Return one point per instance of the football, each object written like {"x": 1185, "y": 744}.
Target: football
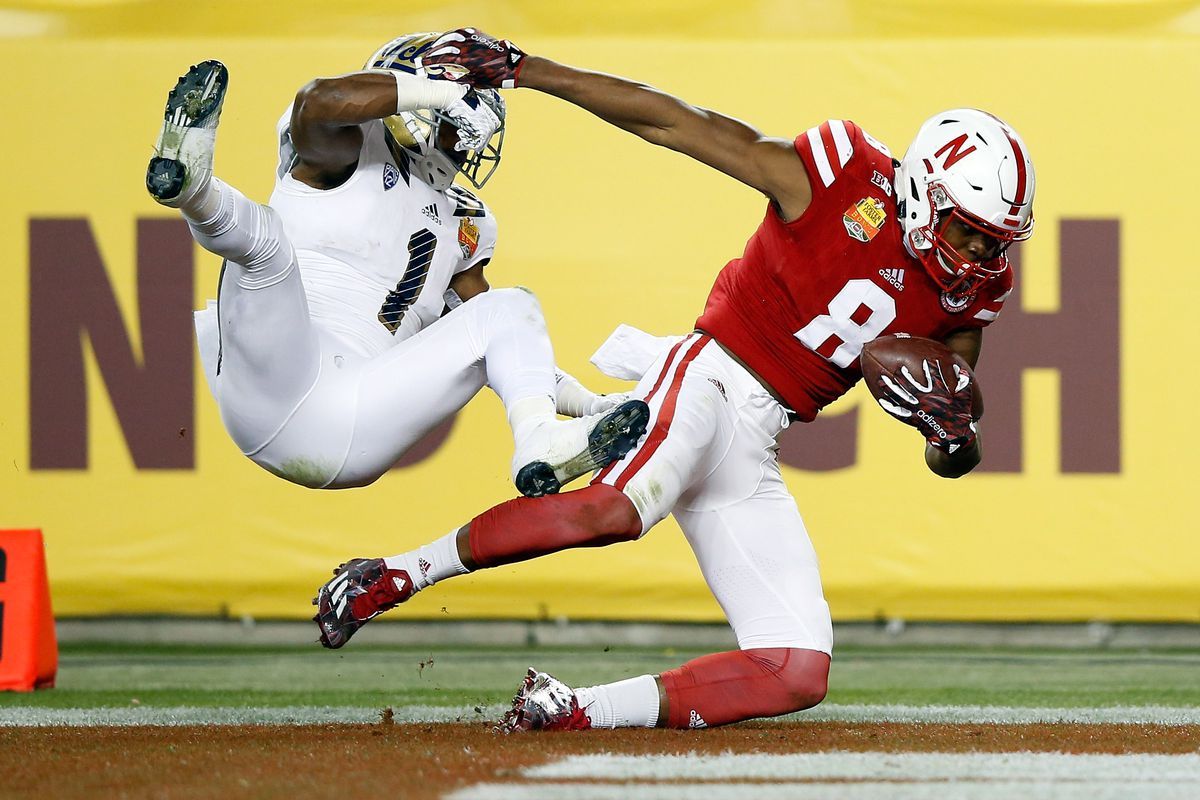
{"x": 890, "y": 354}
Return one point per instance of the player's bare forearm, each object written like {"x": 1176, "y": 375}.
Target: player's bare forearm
{"x": 726, "y": 144}
{"x": 327, "y": 113}
{"x": 953, "y": 465}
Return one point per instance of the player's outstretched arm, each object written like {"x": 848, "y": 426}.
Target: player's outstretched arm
{"x": 735, "y": 148}
{"x": 739, "y": 150}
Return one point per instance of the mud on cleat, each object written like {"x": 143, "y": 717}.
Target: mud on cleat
{"x": 543, "y": 703}
{"x": 361, "y": 589}
{"x": 183, "y": 156}
{"x": 609, "y": 440}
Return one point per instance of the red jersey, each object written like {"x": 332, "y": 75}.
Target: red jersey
{"x": 806, "y": 295}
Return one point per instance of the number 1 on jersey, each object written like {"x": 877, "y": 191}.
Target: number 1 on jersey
{"x": 859, "y": 299}
{"x": 420, "y": 255}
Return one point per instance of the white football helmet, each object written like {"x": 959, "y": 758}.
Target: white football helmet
{"x": 969, "y": 166}
{"x": 417, "y": 131}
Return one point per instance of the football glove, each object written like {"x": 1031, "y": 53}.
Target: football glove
{"x": 476, "y": 122}
{"x": 941, "y": 411}
{"x": 471, "y": 56}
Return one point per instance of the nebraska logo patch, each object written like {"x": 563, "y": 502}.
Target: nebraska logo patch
{"x": 468, "y": 237}
{"x": 864, "y": 219}
{"x": 956, "y": 303}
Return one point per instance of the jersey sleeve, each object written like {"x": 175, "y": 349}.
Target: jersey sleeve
{"x": 477, "y": 228}
{"x": 826, "y": 151}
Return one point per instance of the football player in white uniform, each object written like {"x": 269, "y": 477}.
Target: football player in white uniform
{"x": 353, "y": 315}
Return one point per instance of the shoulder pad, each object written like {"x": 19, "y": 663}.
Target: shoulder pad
{"x": 465, "y": 203}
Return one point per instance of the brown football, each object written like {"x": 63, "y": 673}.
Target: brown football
{"x": 890, "y": 353}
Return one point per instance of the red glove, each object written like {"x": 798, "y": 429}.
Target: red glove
{"x": 471, "y": 56}
{"x": 940, "y": 410}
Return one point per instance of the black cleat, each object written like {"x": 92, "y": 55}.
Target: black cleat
{"x": 609, "y": 440}
{"x": 184, "y": 151}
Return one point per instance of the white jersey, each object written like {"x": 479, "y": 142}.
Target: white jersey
{"x": 377, "y": 254}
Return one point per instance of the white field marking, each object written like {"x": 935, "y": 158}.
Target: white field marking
{"x": 197, "y": 715}
{"x": 308, "y": 715}
{"x": 987, "y": 715}
{"x": 855, "y": 776}
{"x": 1026, "y": 790}
{"x": 838, "y": 765}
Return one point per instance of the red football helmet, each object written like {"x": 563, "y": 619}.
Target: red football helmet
{"x": 965, "y": 166}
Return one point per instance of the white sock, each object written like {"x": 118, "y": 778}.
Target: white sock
{"x": 430, "y": 563}
{"x": 529, "y": 412}
{"x": 631, "y": 703}
{"x": 572, "y": 398}
{"x": 202, "y": 200}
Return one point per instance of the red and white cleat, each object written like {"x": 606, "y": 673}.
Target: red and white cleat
{"x": 361, "y": 589}
{"x": 543, "y": 703}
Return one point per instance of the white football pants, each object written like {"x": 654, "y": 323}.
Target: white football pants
{"x": 709, "y": 457}
{"x": 311, "y": 410}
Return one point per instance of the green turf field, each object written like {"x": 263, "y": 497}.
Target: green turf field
{"x": 365, "y": 676}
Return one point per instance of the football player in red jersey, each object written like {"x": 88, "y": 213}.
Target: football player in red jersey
{"x": 853, "y": 245}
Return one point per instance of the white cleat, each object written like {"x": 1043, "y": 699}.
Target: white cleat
{"x": 183, "y": 155}
{"x": 558, "y": 452}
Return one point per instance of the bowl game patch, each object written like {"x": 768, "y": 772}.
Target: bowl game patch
{"x": 864, "y": 219}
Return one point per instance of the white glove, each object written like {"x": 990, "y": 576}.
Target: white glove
{"x": 476, "y": 122}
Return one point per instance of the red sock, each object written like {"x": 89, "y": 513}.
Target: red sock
{"x": 742, "y": 684}
{"x": 529, "y": 527}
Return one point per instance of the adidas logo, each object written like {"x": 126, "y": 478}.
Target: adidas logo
{"x": 431, "y": 212}
{"x": 893, "y": 276}
{"x": 425, "y": 567}
{"x": 399, "y": 582}
{"x": 696, "y": 721}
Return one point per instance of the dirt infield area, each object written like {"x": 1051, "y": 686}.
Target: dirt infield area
{"x": 432, "y": 760}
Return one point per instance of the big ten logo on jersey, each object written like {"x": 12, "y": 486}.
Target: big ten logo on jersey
{"x": 1080, "y": 340}
{"x": 881, "y": 180}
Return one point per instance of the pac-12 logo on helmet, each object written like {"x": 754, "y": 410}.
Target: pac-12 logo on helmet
{"x": 417, "y": 131}
{"x": 968, "y": 166}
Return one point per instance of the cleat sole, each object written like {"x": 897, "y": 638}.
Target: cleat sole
{"x": 611, "y": 440}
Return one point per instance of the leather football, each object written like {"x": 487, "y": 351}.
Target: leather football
{"x": 890, "y": 354}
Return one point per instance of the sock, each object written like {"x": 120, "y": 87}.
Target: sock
{"x": 526, "y": 414}
{"x": 631, "y": 703}
{"x": 572, "y": 398}
{"x": 430, "y": 563}
{"x": 204, "y": 200}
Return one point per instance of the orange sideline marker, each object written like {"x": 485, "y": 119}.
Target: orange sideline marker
{"x": 28, "y": 647}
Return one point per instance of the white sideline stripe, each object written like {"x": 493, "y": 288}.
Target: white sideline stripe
{"x": 1028, "y": 790}
{"x": 992, "y": 715}
{"x": 835, "y": 765}
{"x": 200, "y": 715}
{"x": 855, "y": 776}
{"x": 308, "y": 715}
